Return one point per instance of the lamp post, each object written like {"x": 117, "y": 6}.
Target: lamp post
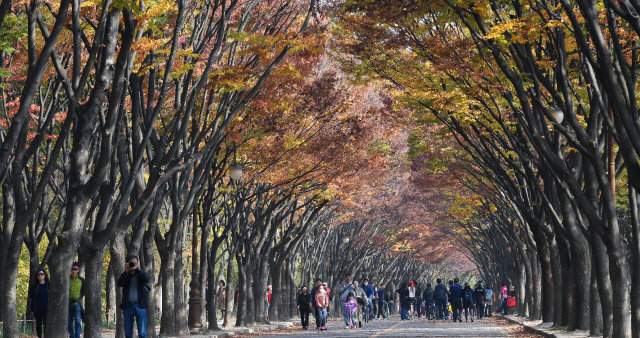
{"x": 557, "y": 113}
{"x": 485, "y": 225}
{"x": 345, "y": 239}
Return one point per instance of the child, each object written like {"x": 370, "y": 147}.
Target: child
{"x": 322, "y": 302}
{"x": 352, "y": 307}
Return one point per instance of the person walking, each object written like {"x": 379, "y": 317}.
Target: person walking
{"x": 269, "y": 292}
{"x": 418, "y": 298}
{"x": 368, "y": 290}
{"x": 361, "y": 298}
{"x": 455, "y": 297}
{"x": 488, "y": 300}
{"x": 222, "y": 296}
{"x": 403, "y": 294}
{"x": 314, "y": 291}
{"x": 76, "y": 294}
{"x": 479, "y": 296}
{"x": 440, "y": 294}
{"x": 321, "y": 302}
{"x": 468, "y": 301}
{"x": 427, "y": 297}
{"x": 374, "y": 302}
{"x": 304, "y": 306}
{"x": 134, "y": 297}
{"x": 343, "y": 291}
{"x": 324, "y": 284}
{"x": 351, "y": 306}
{"x": 503, "y": 299}
{"x": 39, "y": 294}
{"x": 380, "y": 298}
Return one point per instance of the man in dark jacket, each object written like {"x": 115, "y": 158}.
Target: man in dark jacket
{"x": 418, "y": 298}
{"x": 479, "y": 297}
{"x": 134, "y": 297}
{"x": 440, "y": 294}
{"x": 380, "y": 298}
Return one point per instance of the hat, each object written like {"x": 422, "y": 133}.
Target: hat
{"x": 410, "y": 282}
{"x": 324, "y": 284}
{"x": 512, "y": 288}
{"x": 466, "y": 284}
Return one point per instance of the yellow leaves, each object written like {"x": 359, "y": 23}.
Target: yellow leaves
{"x": 497, "y": 31}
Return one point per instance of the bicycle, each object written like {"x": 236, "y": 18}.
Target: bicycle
{"x": 412, "y": 311}
{"x": 431, "y": 311}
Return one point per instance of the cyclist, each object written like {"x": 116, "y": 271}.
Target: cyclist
{"x": 413, "y": 293}
{"x": 368, "y": 290}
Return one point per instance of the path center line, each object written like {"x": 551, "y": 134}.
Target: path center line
{"x": 387, "y": 330}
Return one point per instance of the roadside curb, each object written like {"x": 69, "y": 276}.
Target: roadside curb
{"x": 545, "y": 329}
{"x": 238, "y": 331}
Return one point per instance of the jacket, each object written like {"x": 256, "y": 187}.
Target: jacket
{"x": 322, "y": 298}
{"x": 368, "y": 290}
{"x": 440, "y": 291}
{"x": 78, "y": 300}
{"x": 34, "y": 292}
{"x": 404, "y": 296}
{"x": 343, "y": 291}
{"x": 479, "y": 295}
{"x": 303, "y": 300}
{"x": 380, "y": 295}
{"x": 427, "y": 295}
{"x": 465, "y": 291}
{"x": 125, "y": 283}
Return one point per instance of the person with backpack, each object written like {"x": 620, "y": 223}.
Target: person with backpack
{"x": 503, "y": 299}
{"x": 343, "y": 291}
{"x": 440, "y": 294}
{"x": 418, "y": 298}
{"x": 316, "y": 309}
{"x": 134, "y": 297}
{"x": 455, "y": 297}
{"x": 467, "y": 302}
{"x": 361, "y": 298}
{"x": 479, "y": 296}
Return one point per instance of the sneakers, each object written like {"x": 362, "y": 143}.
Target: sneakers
{"x": 347, "y": 327}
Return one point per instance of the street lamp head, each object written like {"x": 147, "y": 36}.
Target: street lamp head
{"x": 557, "y": 113}
{"x": 235, "y": 172}
{"x": 485, "y": 225}
{"x": 345, "y": 239}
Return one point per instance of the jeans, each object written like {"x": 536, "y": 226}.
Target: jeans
{"x": 133, "y": 311}
{"x": 456, "y": 306}
{"x": 370, "y": 307}
{"x": 403, "y": 312}
{"x": 440, "y": 308}
{"x": 75, "y": 321}
{"x": 322, "y": 314}
{"x": 418, "y": 306}
{"x": 480, "y": 311}
{"x": 468, "y": 311}
{"x": 503, "y": 306}
{"x": 41, "y": 321}
{"x": 381, "y": 312}
{"x": 347, "y": 315}
{"x": 488, "y": 310}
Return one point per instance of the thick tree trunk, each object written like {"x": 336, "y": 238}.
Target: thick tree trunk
{"x": 558, "y": 281}
{"x": 180, "y": 295}
{"x": 149, "y": 268}
{"x": 275, "y": 313}
{"x": 111, "y": 294}
{"x": 167, "y": 270}
{"x": 61, "y": 259}
{"x": 546, "y": 275}
{"x": 231, "y": 292}
{"x": 93, "y": 291}
{"x": 241, "y": 315}
{"x": 595, "y": 326}
{"x": 635, "y": 269}
{"x": 604, "y": 283}
{"x": 117, "y": 253}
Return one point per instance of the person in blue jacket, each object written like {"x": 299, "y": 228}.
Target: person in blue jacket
{"x": 368, "y": 290}
{"x": 380, "y": 297}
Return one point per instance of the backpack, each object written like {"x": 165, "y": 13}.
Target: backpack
{"x": 468, "y": 296}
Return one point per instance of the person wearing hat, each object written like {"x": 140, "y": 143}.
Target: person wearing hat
{"x": 468, "y": 301}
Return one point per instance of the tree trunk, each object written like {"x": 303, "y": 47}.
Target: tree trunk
{"x": 93, "y": 291}
{"x": 595, "y": 326}
{"x": 167, "y": 270}
{"x": 604, "y": 283}
{"x": 231, "y": 292}
{"x": 117, "y": 253}
{"x": 275, "y": 313}
{"x": 241, "y": 315}
{"x": 111, "y": 294}
{"x": 149, "y": 268}
{"x": 180, "y": 295}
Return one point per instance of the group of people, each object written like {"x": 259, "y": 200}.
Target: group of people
{"x": 133, "y": 282}
{"x": 356, "y": 299}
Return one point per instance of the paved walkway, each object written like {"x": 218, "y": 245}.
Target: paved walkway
{"x": 394, "y": 327}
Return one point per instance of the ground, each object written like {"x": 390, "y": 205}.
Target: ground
{"x": 394, "y": 327}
